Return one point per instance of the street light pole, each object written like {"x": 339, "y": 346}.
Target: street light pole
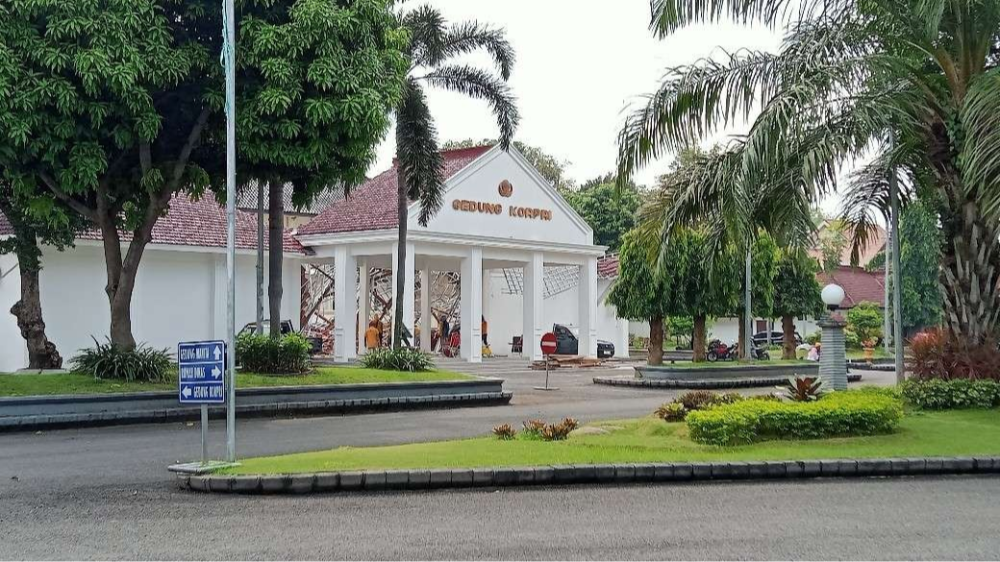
{"x": 747, "y": 317}
{"x": 897, "y": 312}
{"x": 229, "y": 61}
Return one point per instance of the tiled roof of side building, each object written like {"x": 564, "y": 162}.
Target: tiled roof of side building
{"x": 859, "y": 284}
{"x": 200, "y": 223}
{"x": 372, "y": 206}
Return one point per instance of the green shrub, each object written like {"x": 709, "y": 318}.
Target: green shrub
{"x": 814, "y": 337}
{"x": 504, "y": 432}
{"x": 697, "y": 399}
{"x": 111, "y": 362}
{"x": 402, "y": 359}
{"x": 263, "y": 354}
{"x": 937, "y": 394}
{"x": 671, "y": 412}
{"x": 846, "y": 413}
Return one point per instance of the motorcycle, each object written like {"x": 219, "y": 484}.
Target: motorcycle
{"x": 718, "y": 351}
{"x": 757, "y": 352}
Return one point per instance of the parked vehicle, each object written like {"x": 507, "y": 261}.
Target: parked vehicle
{"x": 718, "y": 351}
{"x": 568, "y": 344}
{"x": 757, "y": 352}
{"x": 777, "y": 336}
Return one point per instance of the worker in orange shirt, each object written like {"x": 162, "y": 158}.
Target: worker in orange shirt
{"x": 485, "y": 326}
{"x": 372, "y": 338}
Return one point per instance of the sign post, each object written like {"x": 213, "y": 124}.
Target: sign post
{"x": 548, "y": 344}
{"x": 201, "y": 380}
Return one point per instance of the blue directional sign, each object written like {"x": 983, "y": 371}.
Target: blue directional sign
{"x": 202, "y": 372}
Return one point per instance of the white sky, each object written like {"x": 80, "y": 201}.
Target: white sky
{"x": 580, "y": 64}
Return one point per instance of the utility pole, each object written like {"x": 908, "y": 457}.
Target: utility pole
{"x": 260, "y": 259}
{"x": 887, "y": 305}
{"x": 229, "y": 61}
{"x": 897, "y": 314}
{"x": 747, "y": 316}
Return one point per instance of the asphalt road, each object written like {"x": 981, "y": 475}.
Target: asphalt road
{"x": 104, "y": 493}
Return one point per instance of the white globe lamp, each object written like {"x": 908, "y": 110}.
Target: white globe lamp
{"x": 832, "y": 295}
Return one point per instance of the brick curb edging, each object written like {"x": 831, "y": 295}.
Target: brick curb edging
{"x": 280, "y": 409}
{"x": 701, "y": 383}
{"x": 375, "y": 480}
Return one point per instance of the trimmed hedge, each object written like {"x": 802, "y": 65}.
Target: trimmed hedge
{"x": 837, "y": 414}
{"x": 263, "y": 354}
{"x": 938, "y": 394}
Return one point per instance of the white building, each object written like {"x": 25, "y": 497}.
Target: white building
{"x": 501, "y": 227}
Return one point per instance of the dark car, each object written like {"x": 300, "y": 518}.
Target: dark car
{"x": 777, "y": 337}
{"x": 568, "y": 344}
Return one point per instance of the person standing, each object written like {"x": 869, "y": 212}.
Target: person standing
{"x": 372, "y": 336}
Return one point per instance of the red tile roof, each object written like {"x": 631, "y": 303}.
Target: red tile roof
{"x": 372, "y": 206}
{"x": 859, "y": 285}
{"x": 607, "y": 267}
{"x": 199, "y": 223}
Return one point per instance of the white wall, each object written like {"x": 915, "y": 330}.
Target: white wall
{"x": 13, "y": 353}
{"x": 179, "y": 296}
{"x": 503, "y": 312}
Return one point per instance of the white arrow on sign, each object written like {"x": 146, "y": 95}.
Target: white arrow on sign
{"x": 186, "y": 393}
{"x": 216, "y": 372}
{"x": 218, "y": 353}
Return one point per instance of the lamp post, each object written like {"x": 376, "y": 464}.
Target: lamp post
{"x": 833, "y": 358}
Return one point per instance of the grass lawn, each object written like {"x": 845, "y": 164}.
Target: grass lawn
{"x": 962, "y": 433}
{"x": 75, "y": 383}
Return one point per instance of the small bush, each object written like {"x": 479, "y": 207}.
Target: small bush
{"x": 559, "y": 431}
{"x": 697, "y": 399}
{"x": 107, "y": 361}
{"x": 402, "y": 359}
{"x": 532, "y": 429}
{"x": 938, "y": 394}
{"x": 936, "y": 355}
{"x": 263, "y": 354}
{"x": 803, "y": 389}
{"x": 504, "y": 432}
{"x": 848, "y": 413}
{"x": 671, "y": 412}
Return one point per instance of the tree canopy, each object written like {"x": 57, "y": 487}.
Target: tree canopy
{"x": 114, "y": 107}
{"x": 610, "y": 211}
{"x": 913, "y": 82}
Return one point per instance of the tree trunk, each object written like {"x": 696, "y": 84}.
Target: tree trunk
{"x": 397, "y": 317}
{"x": 42, "y": 353}
{"x": 741, "y": 338}
{"x": 120, "y": 282}
{"x": 969, "y": 277}
{"x": 655, "y": 341}
{"x": 788, "y": 337}
{"x": 276, "y": 252}
{"x": 698, "y": 339}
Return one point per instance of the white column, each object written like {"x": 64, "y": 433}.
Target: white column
{"x": 426, "y": 320}
{"x": 408, "y": 288}
{"x": 364, "y": 301}
{"x": 344, "y": 304}
{"x": 621, "y": 348}
{"x": 533, "y": 297}
{"x": 472, "y": 306}
{"x": 588, "y": 308}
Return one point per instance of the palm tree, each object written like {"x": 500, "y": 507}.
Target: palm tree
{"x": 913, "y": 83}
{"x": 433, "y": 44}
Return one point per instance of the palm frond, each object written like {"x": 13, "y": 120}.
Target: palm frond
{"x": 427, "y": 32}
{"x": 866, "y": 199}
{"x": 671, "y": 15}
{"x": 980, "y": 160}
{"x": 420, "y": 162}
{"x": 467, "y": 37}
{"x": 480, "y": 84}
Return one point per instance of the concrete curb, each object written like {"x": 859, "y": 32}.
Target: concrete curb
{"x": 377, "y": 480}
{"x": 274, "y": 409}
{"x": 701, "y": 383}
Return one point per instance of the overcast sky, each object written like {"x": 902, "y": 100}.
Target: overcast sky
{"x": 580, "y": 63}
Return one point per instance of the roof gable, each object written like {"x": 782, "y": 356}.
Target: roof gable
{"x": 372, "y": 206}
{"x": 501, "y": 195}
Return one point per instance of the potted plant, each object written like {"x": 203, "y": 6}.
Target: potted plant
{"x": 865, "y": 320}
